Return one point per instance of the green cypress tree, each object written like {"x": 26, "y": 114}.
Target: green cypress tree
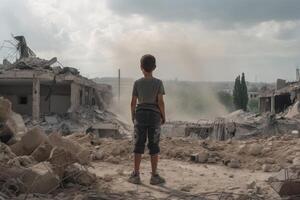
{"x": 237, "y": 93}
{"x": 244, "y": 93}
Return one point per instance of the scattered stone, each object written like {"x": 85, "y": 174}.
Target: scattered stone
{"x": 201, "y": 157}
{"x": 60, "y": 160}
{"x": 255, "y": 149}
{"x": 81, "y": 154}
{"x": 296, "y": 160}
{"x": 270, "y": 161}
{"x": 113, "y": 160}
{"x": 5, "y": 109}
{"x": 251, "y": 185}
{"x": 51, "y": 119}
{"x": 42, "y": 152}
{"x": 107, "y": 178}
{"x": 234, "y": 163}
{"x": 98, "y": 155}
{"x": 29, "y": 142}
{"x": 77, "y": 174}
{"x": 187, "y": 188}
{"x": 40, "y": 179}
{"x": 242, "y": 149}
{"x": 21, "y": 161}
{"x": 5, "y": 153}
{"x": 267, "y": 167}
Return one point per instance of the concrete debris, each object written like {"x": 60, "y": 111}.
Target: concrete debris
{"x": 11, "y": 123}
{"x": 255, "y": 149}
{"x": 78, "y": 175}
{"x": 201, "y": 157}
{"x": 293, "y": 111}
{"x": 51, "y": 120}
{"x": 286, "y": 182}
{"x": 5, "y": 153}
{"x": 234, "y": 163}
{"x": 40, "y": 179}
{"x": 81, "y": 154}
{"x": 29, "y": 142}
{"x": 5, "y": 109}
{"x": 60, "y": 159}
{"x": 21, "y": 161}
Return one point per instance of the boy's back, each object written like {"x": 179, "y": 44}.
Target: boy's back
{"x": 147, "y": 91}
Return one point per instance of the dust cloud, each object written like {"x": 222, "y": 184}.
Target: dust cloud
{"x": 185, "y": 101}
{"x": 179, "y": 50}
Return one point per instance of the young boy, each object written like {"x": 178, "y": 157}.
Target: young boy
{"x": 147, "y": 116}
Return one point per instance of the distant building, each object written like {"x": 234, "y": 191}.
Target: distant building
{"x": 284, "y": 95}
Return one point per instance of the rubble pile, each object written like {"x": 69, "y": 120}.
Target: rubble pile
{"x": 34, "y": 162}
{"x": 79, "y": 121}
{"x": 269, "y": 154}
{"x": 40, "y": 164}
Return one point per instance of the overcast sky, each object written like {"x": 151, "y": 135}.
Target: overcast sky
{"x": 201, "y": 40}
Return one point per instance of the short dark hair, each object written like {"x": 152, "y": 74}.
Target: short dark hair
{"x": 148, "y": 62}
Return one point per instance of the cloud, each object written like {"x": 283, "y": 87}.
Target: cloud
{"x": 98, "y": 37}
{"x": 222, "y": 13}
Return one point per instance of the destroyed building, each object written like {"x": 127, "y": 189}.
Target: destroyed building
{"x": 36, "y": 86}
{"x": 279, "y": 99}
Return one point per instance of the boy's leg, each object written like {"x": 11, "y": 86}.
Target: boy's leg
{"x": 153, "y": 145}
{"x": 137, "y": 162}
{"x": 140, "y": 137}
{"x": 154, "y": 163}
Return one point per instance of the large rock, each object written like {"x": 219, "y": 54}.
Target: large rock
{"x": 81, "y": 154}
{"x": 60, "y": 159}
{"x": 16, "y": 124}
{"x": 42, "y": 152}
{"x": 255, "y": 149}
{"x": 5, "y": 153}
{"x": 29, "y": 142}
{"x": 78, "y": 175}
{"x": 234, "y": 163}
{"x": 40, "y": 179}
{"x": 5, "y": 109}
{"x": 21, "y": 161}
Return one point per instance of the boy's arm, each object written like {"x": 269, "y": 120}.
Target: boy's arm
{"x": 161, "y": 105}
{"x": 133, "y": 105}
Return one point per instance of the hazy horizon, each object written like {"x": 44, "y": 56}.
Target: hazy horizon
{"x": 199, "y": 40}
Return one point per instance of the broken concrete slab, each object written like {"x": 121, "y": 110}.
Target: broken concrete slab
{"x": 29, "y": 142}
{"x": 51, "y": 119}
{"x": 40, "y": 179}
{"x": 5, "y": 109}
{"x": 5, "y": 153}
{"x": 42, "y": 152}
{"x": 21, "y": 161}
{"x": 80, "y": 153}
{"x": 234, "y": 163}
{"x": 16, "y": 124}
{"x": 78, "y": 175}
{"x": 255, "y": 149}
{"x": 60, "y": 159}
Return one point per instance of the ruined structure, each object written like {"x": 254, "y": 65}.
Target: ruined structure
{"x": 279, "y": 99}
{"x": 36, "y": 86}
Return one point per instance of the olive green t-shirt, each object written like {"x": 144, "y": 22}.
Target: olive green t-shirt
{"x": 147, "y": 91}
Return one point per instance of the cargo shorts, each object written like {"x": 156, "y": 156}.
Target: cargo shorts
{"x": 147, "y": 127}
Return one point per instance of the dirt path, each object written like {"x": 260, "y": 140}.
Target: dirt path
{"x": 184, "y": 180}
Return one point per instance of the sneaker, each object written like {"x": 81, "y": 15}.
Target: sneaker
{"x": 134, "y": 178}
{"x": 157, "y": 180}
